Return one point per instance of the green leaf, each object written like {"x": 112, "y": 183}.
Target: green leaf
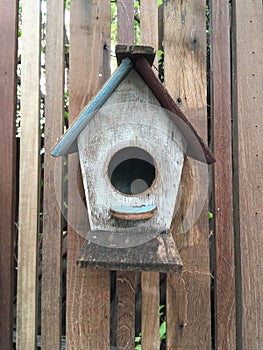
{"x": 137, "y": 339}
{"x": 210, "y": 215}
{"x": 160, "y": 309}
{"x": 162, "y": 330}
{"x": 138, "y": 347}
{"x": 67, "y": 4}
{"x": 136, "y": 4}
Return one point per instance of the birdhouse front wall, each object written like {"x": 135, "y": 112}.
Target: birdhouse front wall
{"x": 131, "y": 154}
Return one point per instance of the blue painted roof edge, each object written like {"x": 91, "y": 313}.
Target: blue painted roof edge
{"x": 134, "y": 210}
{"x": 64, "y": 145}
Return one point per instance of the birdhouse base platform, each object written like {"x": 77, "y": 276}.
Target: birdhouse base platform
{"x": 159, "y": 254}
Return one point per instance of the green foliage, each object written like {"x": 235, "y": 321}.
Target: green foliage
{"x": 208, "y": 27}
{"x": 66, "y": 108}
{"x": 162, "y": 330}
{"x": 114, "y": 25}
{"x": 207, "y": 13}
{"x": 138, "y": 340}
{"x": 160, "y": 54}
{"x": 137, "y": 25}
{"x": 67, "y": 4}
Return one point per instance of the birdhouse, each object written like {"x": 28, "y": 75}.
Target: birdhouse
{"x": 132, "y": 139}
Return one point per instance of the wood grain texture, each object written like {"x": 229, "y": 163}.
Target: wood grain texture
{"x": 125, "y": 286}
{"x": 248, "y": 53}
{"x": 150, "y": 281}
{"x": 188, "y": 294}
{"x": 52, "y": 219}
{"x": 125, "y": 282}
{"x": 134, "y": 52}
{"x": 150, "y": 310}
{"x": 157, "y": 254}
{"x": 8, "y": 44}
{"x": 225, "y": 325}
{"x": 149, "y": 26}
{"x": 29, "y": 178}
{"x": 125, "y": 10}
{"x": 88, "y": 292}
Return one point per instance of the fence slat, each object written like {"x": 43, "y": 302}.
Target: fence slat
{"x": 125, "y": 281}
{"x": 150, "y": 281}
{"x": 8, "y": 44}
{"x": 125, "y": 287}
{"x": 29, "y": 178}
{"x": 248, "y": 53}
{"x": 225, "y": 325}
{"x": 188, "y": 294}
{"x": 125, "y": 10}
{"x": 52, "y": 218}
{"x": 149, "y": 26}
{"x": 150, "y": 310}
{"x": 88, "y": 292}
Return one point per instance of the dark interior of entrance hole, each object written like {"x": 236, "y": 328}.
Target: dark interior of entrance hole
{"x": 132, "y": 170}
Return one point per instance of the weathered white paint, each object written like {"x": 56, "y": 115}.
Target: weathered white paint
{"x": 131, "y": 117}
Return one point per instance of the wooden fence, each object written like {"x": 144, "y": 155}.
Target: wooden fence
{"x": 217, "y": 300}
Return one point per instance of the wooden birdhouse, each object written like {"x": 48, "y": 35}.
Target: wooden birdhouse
{"x": 132, "y": 139}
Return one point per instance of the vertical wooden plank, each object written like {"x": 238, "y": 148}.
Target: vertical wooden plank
{"x": 52, "y": 219}
{"x": 125, "y": 310}
{"x": 88, "y": 292}
{"x": 29, "y": 178}
{"x": 125, "y": 282}
{"x": 149, "y": 25}
{"x": 225, "y": 325}
{"x": 8, "y": 44}
{"x": 150, "y": 310}
{"x": 150, "y": 280}
{"x": 188, "y": 294}
{"x": 125, "y": 10}
{"x": 248, "y": 53}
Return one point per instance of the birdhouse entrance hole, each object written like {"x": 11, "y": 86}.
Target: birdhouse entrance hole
{"x": 132, "y": 171}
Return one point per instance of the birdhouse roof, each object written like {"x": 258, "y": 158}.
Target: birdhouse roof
{"x": 140, "y": 58}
